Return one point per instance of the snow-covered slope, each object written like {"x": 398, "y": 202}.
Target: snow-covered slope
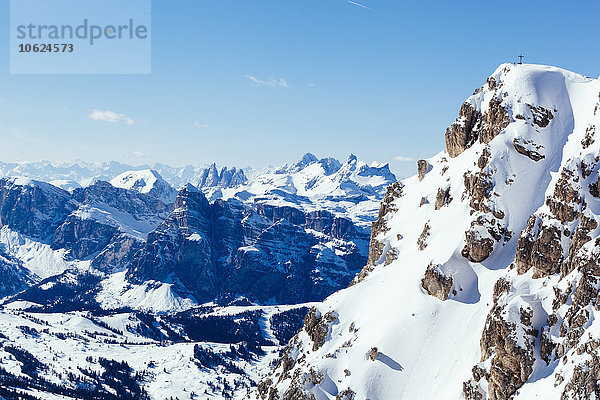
{"x": 38, "y": 258}
{"x": 483, "y": 272}
{"x": 146, "y": 181}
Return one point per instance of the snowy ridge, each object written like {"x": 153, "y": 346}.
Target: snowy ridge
{"x": 72, "y": 175}
{"x": 478, "y": 249}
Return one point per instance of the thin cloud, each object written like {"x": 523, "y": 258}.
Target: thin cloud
{"x": 404, "y": 158}
{"x": 200, "y": 125}
{"x": 271, "y": 82}
{"x": 312, "y": 84}
{"x": 360, "y": 5}
{"x": 110, "y": 116}
{"x": 136, "y": 154}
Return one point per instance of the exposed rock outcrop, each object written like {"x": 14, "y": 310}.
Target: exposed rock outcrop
{"x": 464, "y": 132}
{"x": 33, "y": 208}
{"x": 378, "y": 228}
{"x": 478, "y": 187}
{"x": 422, "y": 240}
{"x": 436, "y": 283}
{"x": 83, "y": 237}
{"x": 471, "y": 125}
{"x": 510, "y": 345}
{"x": 442, "y": 198}
{"x": 540, "y": 247}
{"x": 528, "y": 149}
{"x": 541, "y": 116}
{"x": 317, "y": 326}
{"x": 477, "y": 248}
{"x": 422, "y": 168}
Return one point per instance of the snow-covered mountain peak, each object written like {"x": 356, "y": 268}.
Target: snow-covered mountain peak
{"x": 491, "y": 251}
{"x": 146, "y": 181}
{"x": 304, "y": 162}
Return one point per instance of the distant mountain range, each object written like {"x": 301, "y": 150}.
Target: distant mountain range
{"x": 310, "y": 183}
{"x": 304, "y": 224}
{"x": 174, "y": 256}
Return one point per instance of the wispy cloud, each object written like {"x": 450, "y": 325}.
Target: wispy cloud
{"x": 110, "y": 116}
{"x": 404, "y": 158}
{"x": 312, "y": 84}
{"x": 200, "y": 125}
{"x": 271, "y": 82}
{"x": 360, "y": 5}
{"x": 135, "y": 154}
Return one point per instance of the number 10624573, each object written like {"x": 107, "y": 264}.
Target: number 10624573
{"x": 46, "y": 48}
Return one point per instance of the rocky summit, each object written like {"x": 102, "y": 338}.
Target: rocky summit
{"x": 483, "y": 276}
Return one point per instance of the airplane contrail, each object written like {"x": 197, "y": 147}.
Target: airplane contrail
{"x": 360, "y": 5}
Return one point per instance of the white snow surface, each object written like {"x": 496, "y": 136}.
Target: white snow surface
{"x": 127, "y": 223}
{"x": 427, "y": 347}
{"x": 146, "y": 181}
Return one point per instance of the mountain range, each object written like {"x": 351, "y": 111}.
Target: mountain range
{"x": 477, "y": 278}
{"x": 227, "y": 262}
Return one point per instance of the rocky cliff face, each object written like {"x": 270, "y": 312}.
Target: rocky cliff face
{"x": 181, "y": 248}
{"x": 264, "y": 252}
{"x": 99, "y": 222}
{"x": 224, "y": 178}
{"x": 31, "y": 207}
{"x": 104, "y": 215}
{"x": 483, "y": 278}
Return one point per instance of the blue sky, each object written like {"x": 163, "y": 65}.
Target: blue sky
{"x": 255, "y": 82}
